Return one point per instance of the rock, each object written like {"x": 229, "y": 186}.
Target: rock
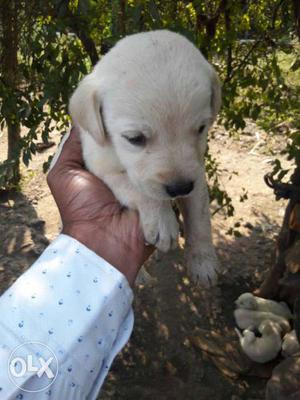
{"x": 285, "y": 381}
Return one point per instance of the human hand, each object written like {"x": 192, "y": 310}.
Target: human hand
{"x": 91, "y": 214}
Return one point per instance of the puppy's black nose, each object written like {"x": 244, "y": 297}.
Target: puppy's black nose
{"x": 179, "y": 188}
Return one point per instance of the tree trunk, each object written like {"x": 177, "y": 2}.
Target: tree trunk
{"x": 229, "y": 46}
{"x": 122, "y": 18}
{"x": 87, "y": 42}
{"x": 296, "y": 5}
{"x": 210, "y": 24}
{"x": 9, "y": 69}
{"x": 272, "y": 286}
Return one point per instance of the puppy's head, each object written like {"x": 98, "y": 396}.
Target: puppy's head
{"x": 153, "y": 98}
{"x": 246, "y": 301}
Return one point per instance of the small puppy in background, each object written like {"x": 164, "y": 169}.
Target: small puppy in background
{"x": 143, "y": 114}
{"x": 248, "y": 301}
{"x": 264, "y": 348}
{"x": 251, "y": 319}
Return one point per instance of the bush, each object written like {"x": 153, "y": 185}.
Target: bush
{"x": 47, "y": 47}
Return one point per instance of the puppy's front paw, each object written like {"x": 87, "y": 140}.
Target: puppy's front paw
{"x": 203, "y": 267}
{"x": 160, "y": 227}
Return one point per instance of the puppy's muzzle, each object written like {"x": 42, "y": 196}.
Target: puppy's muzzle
{"x": 179, "y": 188}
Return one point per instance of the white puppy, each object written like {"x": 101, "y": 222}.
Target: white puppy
{"x": 265, "y": 348}
{"x": 248, "y": 301}
{"x": 143, "y": 114}
{"x": 252, "y": 319}
{"x": 290, "y": 344}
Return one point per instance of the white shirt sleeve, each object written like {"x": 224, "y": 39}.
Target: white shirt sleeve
{"x": 62, "y": 323}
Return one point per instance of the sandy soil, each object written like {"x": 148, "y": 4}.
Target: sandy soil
{"x": 161, "y": 361}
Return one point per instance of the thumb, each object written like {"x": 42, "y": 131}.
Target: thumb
{"x": 69, "y": 152}
{"x": 68, "y": 156}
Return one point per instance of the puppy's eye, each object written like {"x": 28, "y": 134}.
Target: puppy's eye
{"x": 201, "y": 129}
{"x": 138, "y": 140}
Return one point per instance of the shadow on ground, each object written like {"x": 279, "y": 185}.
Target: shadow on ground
{"x": 160, "y": 361}
{"x": 22, "y": 236}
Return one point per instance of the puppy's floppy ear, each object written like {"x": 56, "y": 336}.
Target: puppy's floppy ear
{"x": 216, "y": 98}
{"x": 85, "y": 108}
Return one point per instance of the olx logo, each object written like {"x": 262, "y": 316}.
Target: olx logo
{"x": 29, "y": 359}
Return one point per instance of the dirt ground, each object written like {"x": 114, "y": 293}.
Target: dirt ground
{"x": 162, "y": 361}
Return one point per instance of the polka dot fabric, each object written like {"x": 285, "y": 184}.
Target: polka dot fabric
{"x": 78, "y": 305}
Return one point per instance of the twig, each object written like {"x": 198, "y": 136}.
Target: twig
{"x": 243, "y": 62}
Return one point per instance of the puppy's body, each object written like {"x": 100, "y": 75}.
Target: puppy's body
{"x": 143, "y": 114}
{"x": 253, "y": 319}
{"x": 265, "y": 348}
